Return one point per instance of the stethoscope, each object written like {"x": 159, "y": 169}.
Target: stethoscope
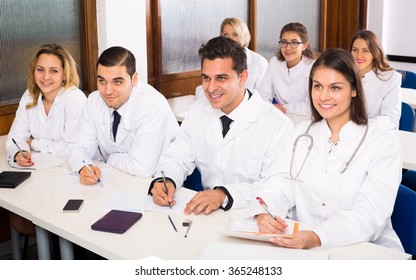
{"x": 344, "y": 166}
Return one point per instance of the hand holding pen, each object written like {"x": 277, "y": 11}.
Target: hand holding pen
{"x": 23, "y": 158}
{"x": 90, "y": 174}
{"x": 163, "y": 191}
{"x": 277, "y": 225}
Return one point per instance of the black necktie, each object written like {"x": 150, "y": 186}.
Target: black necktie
{"x": 116, "y": 122}
{"x": 226, "y": 122}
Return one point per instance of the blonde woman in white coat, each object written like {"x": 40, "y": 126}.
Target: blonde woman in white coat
{"x": 286, "y": 81}
{"x": 48, "y": 113}
{"x": 237, "y": 30}
{"x": 340, "y": 172}
{"x": 380, "y": 81}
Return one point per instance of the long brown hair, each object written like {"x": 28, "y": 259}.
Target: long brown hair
{"x": 343, "y": 62}
{"x": 380, "y": 61}
{"x": 69, "y": 66}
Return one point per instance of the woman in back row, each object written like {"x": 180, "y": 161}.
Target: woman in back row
{"x": 286, "y": 81}
{"x": 381, "y": 83}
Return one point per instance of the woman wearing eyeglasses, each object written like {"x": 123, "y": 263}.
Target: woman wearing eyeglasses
{"x": 286, "y": 80}
{"x": 381, "y": 83}
{"x": 339, "y": 173}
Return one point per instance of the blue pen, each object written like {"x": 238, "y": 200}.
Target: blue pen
{"x": 86, "y": 165}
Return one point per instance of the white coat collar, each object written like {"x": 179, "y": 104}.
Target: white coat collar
{"x": 349, "y": 131}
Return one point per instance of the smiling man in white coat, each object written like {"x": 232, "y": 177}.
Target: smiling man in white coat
{"x": 231, "y": 136}
{"x": 125, "y": 123}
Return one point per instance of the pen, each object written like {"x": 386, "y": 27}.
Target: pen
{"x": 262, "y": 203}
{"x": 174, "y": 227}
{"x": 20, "y": 150}
{"x": 86, "y": 165}
{"x": 277, "y": 100}
{"x": 187, "y": 230}
{"x": 166, "y": 188}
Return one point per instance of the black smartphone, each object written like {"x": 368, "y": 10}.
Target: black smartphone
{"x": 73, "y": 205}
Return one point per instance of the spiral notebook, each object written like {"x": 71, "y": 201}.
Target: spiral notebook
{"x": 11, "y": 179}
{"x": 117, "y": 221}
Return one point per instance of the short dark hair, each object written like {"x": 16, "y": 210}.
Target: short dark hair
{"x": 344, "y": 63}
{"x": 224, "y": 47}
{"x": 118, "y": 56}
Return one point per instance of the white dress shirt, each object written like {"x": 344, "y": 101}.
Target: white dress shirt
{"x": 346, "y": 208}
{"x": 146, "y": 128}
{"x": 256, "y": 66}
{"x": 241, "y": 161}
{"x": 51, "y": 132}
{"x": 288, "y": 86}
{"x": 383, "y": 97}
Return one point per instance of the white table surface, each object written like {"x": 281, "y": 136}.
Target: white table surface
{"x": 409, "y": 96}
{"x": 42, "y": 197}
{"x": 408, "y": 145}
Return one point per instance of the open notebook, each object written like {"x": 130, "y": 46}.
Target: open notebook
{"x": 248, "y": 229}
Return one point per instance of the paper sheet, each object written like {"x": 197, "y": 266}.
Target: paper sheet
{"x": 140, "y": 201}
{"x": 71, "y": 182}
{"x": 248, "y": 229}
{"x": 128, "y": 200}
{"x": 41, "y": 161}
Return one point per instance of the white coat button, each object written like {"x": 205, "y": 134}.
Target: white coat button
{"x": 323, "y": 204}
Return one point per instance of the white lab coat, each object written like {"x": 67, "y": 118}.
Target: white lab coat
{"x": 343, "y": 208}
{"x": 146, "y": 128}
{"x": 383, "y": 98}
{"x": 241, "y": 161}
{"x": 51, "y": 132}
{"x": 256, "y": 66}
{"x": 289, "y": 86}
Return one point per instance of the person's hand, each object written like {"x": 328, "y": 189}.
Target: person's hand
{"x": 304, "y": 239}
{"x": 88, "y": 178}
{"x": 280, "y": 107}
{"x": 29, "y": 141}
{"x": 205, "y": 201}
{"x": 159, "y": 195}
{"x": 269, "y": 225}
{"x": 22, "y": 161}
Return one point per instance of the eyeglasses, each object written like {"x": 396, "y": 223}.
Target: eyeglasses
{"x": 292, "y": 44}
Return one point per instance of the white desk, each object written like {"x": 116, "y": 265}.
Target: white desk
{"x": 408, "y": 145}
{"x": 409, "y": 96}
{"x": 180, "y": 106}
{"x": 42, "y": 197}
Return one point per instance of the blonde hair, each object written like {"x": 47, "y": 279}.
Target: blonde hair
{"x": 69, "y": 66}
{"x": 240, "y": 27}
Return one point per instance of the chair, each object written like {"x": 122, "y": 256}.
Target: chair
{"x": 194, "y": 181}
{"x": 404, "y": 218}
{"x": 409, "y": 179}
{"x": 408, "y": 79}
{"x": 407, "y": 118}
